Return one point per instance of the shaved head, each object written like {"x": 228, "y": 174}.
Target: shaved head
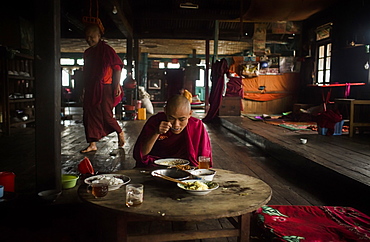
{"x": 92, "y": 34}
{"x": 178, "y": 112}
{"x": 177, "y": 102}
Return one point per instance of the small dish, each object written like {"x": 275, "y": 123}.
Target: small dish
{"x": 211, "y": 187}
{"x": 204, "y": 174}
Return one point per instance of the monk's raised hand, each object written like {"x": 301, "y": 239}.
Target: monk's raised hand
{"x": 164, "y": 126}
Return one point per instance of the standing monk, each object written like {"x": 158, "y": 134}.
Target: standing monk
{"x": 173, "y": 133}
{"x": 102, "y": 90}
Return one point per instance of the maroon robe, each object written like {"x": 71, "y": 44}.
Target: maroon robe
{"x": 98, "y": 97}
{"x": 219, "y": 68}
{"x": 192, "y": 142}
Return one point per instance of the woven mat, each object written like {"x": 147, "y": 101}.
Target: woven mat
{"x": 299, "y": 126}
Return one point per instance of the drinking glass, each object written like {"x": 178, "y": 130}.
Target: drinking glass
{"x": 99, "y": 188}
{"x": 134, "y": 194}
{"x": 204, "y": 162}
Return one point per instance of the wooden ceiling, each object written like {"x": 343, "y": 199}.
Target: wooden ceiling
{"x": 164, "y": 28}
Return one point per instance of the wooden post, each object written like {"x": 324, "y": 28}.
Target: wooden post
{"x": 206, "y": 74}
{"x": 47, "y": 94}
{"x": 215, "y": 45}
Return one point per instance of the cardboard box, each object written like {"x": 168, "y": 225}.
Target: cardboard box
{"x": 230, "y": 106}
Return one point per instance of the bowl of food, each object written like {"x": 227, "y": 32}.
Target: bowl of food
{"x": 115, "y": 181}
{"x": 198, "y": 187}
{"x": 69, "y": 181}
{"x": 204, "y": 174}
{"x": 49, "y": 195}
{"x": 172, "y": 172}
{"x": 171, "y": 162}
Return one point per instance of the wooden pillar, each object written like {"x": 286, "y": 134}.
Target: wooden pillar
{"x": 206, "y": 74}
{"x": 143, "y": 69}
{"x": 129, "y": 54}
{"x": 47, "y": 94}
{"x": 136, "y": 58}
{"x": 215, "y": 46}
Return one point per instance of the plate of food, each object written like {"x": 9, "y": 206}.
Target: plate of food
{"x": 198, "y": 187}
{"x": 171, "y": 162}
{"x": 115, "y": 180}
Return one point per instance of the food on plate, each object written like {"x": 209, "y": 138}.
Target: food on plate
{"x": 183, "y": 167}
{"x": 171, "y": 162}
{"x": 113, "y": 181}
{"x": 197, "y": 185}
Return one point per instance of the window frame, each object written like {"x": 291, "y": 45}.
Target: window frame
{"x": 323, "y": 63}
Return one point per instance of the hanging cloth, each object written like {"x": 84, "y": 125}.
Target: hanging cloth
{"x": 219, "y": 69}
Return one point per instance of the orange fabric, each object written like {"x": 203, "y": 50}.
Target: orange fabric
{"x": 107, "y": 79}
{"x": 263, "y": 97}
{"x": 275, "y": 86}
{"x": 108, "y": 75}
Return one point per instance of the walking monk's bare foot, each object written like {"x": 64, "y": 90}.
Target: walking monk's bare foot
{"x": 92, "y": 147}
{"x": 121, "y": 139}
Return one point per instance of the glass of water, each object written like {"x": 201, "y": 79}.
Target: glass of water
{"x": 134, "y": 194}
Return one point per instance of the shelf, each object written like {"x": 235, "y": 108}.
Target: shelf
{"x": 21, "y": 77}
{"x": 21, "y": 55}
{"x": 23, "y": 122}
{"x": 17, "y": 83}
{"x": 21, "y": 100}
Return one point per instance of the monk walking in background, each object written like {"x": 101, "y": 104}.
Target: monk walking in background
{"x": 173, "y": 133}
{"x": 102, "y": 90}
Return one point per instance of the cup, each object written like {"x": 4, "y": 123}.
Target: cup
{"x": 134, "y": 195}
{"x": 1, "y": 191}
{"x": 204, "y": 162}
{"x": 99, "y": 188}
{"x": 303, "y": 141}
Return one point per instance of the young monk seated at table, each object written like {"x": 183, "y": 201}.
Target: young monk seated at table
{"x": 173, "y": 133}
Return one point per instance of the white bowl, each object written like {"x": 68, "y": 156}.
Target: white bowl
{"x": 49, "y": 195}
{"x": 212, "y": 186}
{"x": 204, "y": 174}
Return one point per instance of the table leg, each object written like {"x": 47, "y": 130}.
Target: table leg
{"x": 121, "y": 228}
{"x": 245, "y": 227}
{"x": 351, "y": 117}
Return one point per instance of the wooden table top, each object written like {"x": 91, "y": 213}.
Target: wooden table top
{"x": 238, "y": 194}
{"x": 337, "y": 84}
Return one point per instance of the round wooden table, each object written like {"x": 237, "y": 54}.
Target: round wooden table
{"x": 237, "y": 196}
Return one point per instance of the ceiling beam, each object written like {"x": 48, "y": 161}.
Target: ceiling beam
{"x": 119, "y": 18}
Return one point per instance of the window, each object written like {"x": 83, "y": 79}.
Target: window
{"x": 80, "y": 62}
{"x": 170, "y": 65}
{"x": 323, "y": 64}
{"x": 67, "y": 62}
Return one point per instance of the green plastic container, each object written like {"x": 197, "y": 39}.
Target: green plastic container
{"x": 69, "y": 181}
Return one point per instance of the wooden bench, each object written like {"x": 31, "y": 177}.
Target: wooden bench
{"x": 352, "y": 114}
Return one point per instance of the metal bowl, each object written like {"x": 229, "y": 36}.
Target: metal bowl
{"x": 173, "y": 173}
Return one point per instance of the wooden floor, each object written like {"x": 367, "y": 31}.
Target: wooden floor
{"x": 261, "y": 150}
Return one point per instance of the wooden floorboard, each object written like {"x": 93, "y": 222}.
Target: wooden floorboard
{"x": 312, "y": 184}
{"x": 337, "y": 153}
